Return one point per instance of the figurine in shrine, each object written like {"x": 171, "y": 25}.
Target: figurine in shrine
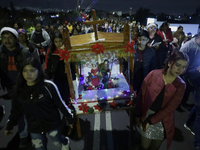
{"x": 104, "y": 72}
{"x": 88, "y": 84}
{"x": 95, "y": 75}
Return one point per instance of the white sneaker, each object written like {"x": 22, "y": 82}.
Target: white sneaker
{"x": 188, "y": 129}
{"x": 65, "y": 147}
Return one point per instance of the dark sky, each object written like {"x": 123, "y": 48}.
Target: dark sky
{"x": 156, "y": 6}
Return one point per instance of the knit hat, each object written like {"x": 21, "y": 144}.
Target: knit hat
{"x": 152, "y": 24}
{"x": 12, "y": 30}
{"x": 22, "y": 31}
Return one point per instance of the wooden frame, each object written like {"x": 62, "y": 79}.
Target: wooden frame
{"x": 82, "y": 44}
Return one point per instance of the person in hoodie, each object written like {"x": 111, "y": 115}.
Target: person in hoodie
{"x": 12, "y": 54}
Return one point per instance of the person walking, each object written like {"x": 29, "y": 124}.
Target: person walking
{"x": 144, "y": 60}
{"x": 192, "y": 48}
{"x": 156, "y": 42}
{"x": 12, "y": 54}
{"x": 55, "y": 68}
{"x": 161, "y": 93}
{"x": 41, "y": 39}
{"x": 40, "y": 101}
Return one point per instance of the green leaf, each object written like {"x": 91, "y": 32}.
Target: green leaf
{"x": 90, "y": 110}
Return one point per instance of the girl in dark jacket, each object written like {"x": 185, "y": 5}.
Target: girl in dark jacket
{"x": 55, "y": 68}
{"x": 39, "y": 100}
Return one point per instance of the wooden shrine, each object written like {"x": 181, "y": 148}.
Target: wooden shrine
{"x": 99, "y": 49}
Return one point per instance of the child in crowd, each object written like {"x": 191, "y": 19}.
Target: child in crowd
{"x": 144, "y": 60}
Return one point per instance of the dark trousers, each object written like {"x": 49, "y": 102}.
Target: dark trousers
{"x": 161, "y": 55}
{"x": 22, "y": 124}
{"x": 196, "y": 127}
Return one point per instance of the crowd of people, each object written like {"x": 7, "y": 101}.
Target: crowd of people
{"x": 166, "y": 70}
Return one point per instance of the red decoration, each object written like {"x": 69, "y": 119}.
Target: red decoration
{"x": 83, "y": 107}
{"x": 98, "y": 48}
{"x": 113, "y": 105}
{"x": 129, "y": 47}
{"x": 97, "y": 107}
{"x": 129, "y": 103}
{"x": 56, "y": 51}
{"x": 80, "y": 96}
{"x": 64, "y": 54}
{"x": 124, "y": 92}
{"x": 135, "y": 95}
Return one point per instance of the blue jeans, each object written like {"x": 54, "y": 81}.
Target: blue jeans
{"x": 191, "y": 117}
{"x": 196, "y": 95}
{"x": 39, "y": 140}
{"x": 22, "y": 127}
{"x": 196, "y": 127}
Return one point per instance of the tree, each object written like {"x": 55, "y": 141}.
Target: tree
{"x": 13, "y": 11}
{"x": 142, "y": 14}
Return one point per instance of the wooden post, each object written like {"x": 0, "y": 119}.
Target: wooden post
{"x": 131, "y": 114}
{"x": 126, "y": 33}
{"x": 67, "y": 43}
{"x": 78, "y": 128}
{"x": 94, "y": 23}
{"x": 127, "y": 38}
{"x": 67, "y": 46}
{"x": 69, "y": 78}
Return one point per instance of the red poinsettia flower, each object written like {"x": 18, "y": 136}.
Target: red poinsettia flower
{"x": 83, "y": 107}
{"x": 64, "y": 54}
{"x": 97, "y": 107}
{"x": 113, "y": 105}
{"x": 98, "y": 48}
{"x": 129, "y": 47}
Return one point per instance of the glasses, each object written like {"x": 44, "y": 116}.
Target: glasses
{"x": 152, "y": 28}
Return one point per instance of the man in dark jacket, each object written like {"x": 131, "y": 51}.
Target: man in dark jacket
{"x": 12, "y": 54}
{"x": 192, "y": 48}
{"x": 41, "y": 39}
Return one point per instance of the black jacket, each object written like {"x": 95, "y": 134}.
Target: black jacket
{"x": 55, "y": 68}
{"x": 41, "y": 112}
{"x": 21, "y": 54}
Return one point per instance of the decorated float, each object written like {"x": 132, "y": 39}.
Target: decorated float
{"x": 100, "y": 84}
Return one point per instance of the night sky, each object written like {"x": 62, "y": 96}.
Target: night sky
{"x": 156, "y": 6}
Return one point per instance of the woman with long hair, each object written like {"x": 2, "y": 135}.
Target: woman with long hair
{"x": 161, "y": 92}
{"x": 55, "y": 68}
{"x": 40, "y": 101}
